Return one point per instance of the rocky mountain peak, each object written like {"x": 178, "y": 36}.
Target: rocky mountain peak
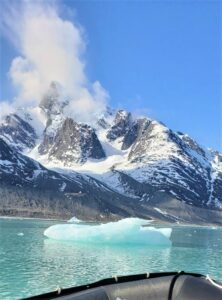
{"x": 51, "y": 103}
{"x": 121, "y": 124}
{"x": 106, "y": 119}
{"x": 122, "y": 116}
{"x": 75, "y": 143}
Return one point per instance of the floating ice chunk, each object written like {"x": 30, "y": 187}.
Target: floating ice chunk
{"x": 128, "y": 231}
{"x": 74, "y": 220}
{"x": 214, "y": 227}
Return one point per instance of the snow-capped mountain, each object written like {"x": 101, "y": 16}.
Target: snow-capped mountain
{"x": 137, "y": 160}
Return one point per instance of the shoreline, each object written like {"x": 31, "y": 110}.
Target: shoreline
{"x": 152, "y": 223}
{"x": 31, "y": 218}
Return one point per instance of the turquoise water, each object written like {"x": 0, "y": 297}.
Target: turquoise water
{"x": 32, "y": 264}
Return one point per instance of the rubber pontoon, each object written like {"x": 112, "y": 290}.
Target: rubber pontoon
{"x": 154, "y": 286}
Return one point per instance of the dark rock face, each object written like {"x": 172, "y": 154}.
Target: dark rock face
{"x": 75, "y": 143}
{"x": 122, "y": 123}
{"x": 135, "y": 132}
{"x": 53, "y": 109}
{"x": 216, "y": 178}
{"x": 46, "y": 144}
{"x": 217, "y": 189}
{"x": 125, "y": 127}
{"x": 139, "y": 149}
{"x": 102, "y": 123}
{"x": 6, "y": 153}
{"x": 17, "y": 132}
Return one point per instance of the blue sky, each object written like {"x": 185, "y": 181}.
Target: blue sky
{"x": 161, "y": 58}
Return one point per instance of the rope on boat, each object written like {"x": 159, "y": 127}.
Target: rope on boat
{"x": 172, "y": 284}
{"x": 213, "y": 282}
{"x": 173, "y": 281}
{"x": 59, "y": 290}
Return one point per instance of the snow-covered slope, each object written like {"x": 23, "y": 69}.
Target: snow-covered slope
{"x": 18, "y": 132}
{"x": 29, "y": 189}
{"x": 173, "y": 163}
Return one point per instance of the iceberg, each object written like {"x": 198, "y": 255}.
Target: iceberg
{"x": 74, "y": 220}
{"x": 129, "y": 231}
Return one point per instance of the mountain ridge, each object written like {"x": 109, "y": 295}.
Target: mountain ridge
{"x": 137, "y": 159}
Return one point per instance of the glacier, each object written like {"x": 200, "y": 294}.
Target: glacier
{"x": 128, "y": 231}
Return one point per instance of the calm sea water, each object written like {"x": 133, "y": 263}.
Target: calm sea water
{"x": 32, "y": 264}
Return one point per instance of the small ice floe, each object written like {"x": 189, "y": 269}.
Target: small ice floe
{"x": 214, "y": 227}
{"x": 74, "y": 220}
{"x": 20, "y": 234}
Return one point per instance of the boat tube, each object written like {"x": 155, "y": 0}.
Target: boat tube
{"x": 153, "y": 286}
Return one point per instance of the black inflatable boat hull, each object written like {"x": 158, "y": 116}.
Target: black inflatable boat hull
{"x": 163, "y": 287}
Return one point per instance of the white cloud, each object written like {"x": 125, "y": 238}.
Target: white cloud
{"x": 26, "y": 78}
{"x": 6, "y": 108}
{"x": 89, "y": 105}
{"x": 51, "y": 49}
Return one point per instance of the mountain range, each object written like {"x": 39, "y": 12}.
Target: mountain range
{"x": 52, "y": 165}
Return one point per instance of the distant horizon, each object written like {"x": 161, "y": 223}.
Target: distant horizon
{"x": 159, "y": 59}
